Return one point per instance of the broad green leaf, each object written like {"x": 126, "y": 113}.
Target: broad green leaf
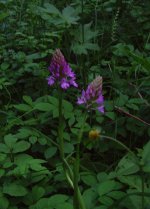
{"x": 23, "y": 107}
{"x": 15, "y": 190}
{"x": 38, "y": 192}
{"x": 42, "y": 106}
{"x": 89, "y": 179}
{"x": 50, "y": 152}
{"x": 68, "y": 147}
{"x": 4, "y": 203}
{"x": 21, "y": 146}
{"x": 4, "y": 148}
{"x": 57, "y": 199}
{"x": 28, "y": 100}
{"x": 10, "y": 140}
{"x": 106, "y": 187}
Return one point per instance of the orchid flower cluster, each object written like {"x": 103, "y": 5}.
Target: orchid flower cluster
{"x": 62, "y": 74}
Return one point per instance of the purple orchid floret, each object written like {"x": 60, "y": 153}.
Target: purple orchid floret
{"x": 92, "y": 97}
{"x": 61, "y": 72}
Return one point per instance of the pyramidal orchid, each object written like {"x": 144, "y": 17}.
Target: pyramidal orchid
{"x": 61, "y": 72}
{"x": 92, "y": 97}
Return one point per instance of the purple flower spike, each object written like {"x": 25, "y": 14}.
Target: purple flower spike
{"x": 61, "y": 72}
{"x": 92, "y": 97}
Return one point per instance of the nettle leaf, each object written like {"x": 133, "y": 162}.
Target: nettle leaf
{"x": 21, "y": 146}
{"x": 15, "y": 190}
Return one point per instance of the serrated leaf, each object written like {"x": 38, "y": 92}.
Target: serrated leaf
{"x": 50, "y": 8}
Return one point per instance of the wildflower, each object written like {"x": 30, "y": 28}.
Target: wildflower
{"x": 61, "y": 72}
{"x": 94, "y": 134}
{"x": 92, "y": 97}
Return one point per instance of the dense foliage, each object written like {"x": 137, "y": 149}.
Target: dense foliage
{"x": 110, "y": 38}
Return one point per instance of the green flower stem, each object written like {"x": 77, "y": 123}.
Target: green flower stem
{"x": 78, "y": 201}
{"x": 142, "y": 183}
{"x": 120, "y": 143}
{"x": 60, "y": 126}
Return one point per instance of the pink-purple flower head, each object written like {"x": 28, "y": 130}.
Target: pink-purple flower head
{"x": 61, "y": 72}
{"x": 92, "y": 98}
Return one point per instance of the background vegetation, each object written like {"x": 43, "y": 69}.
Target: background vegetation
{"x": 98, "y": 37}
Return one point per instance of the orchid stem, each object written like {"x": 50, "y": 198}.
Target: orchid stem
{"x": 78, "y": 200}
{"x": 60, "y": 126}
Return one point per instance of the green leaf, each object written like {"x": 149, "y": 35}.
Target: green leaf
{"x": 4, "y": 148}
{"x": 15, "y": 190}
{"x": 146, "y": 152}
{"x": 42, "y": 140}
{"x": 69, "y": 14}
{"x": 106, "y": 200}
{"x": 50, "y": 8}
{"x": 21, "y": 146}
{"x": 140, "y": 60}
{"x": 89, "y": 196}
{"x": 57, "y": 199}
{"x": 50, "y": 152}
{"x": 28, "y": 100}
{"x": 106, "y": 187}
{"x": 68, "y": 148}
{"x": 110, "y": 115}
{"x": 42, "y": 106}
{"x": 37, "y": 193}
{"x": 4, "y": 203}
{"x": 10, "y": 140}
{"x": 116, "y": 194}
{"x": 65, "y": 205}
{"x": 23, "y": 107}
{"x": 89, "y": 179}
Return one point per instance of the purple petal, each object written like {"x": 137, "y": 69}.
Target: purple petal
{"x": 51, "y": 80}
{"x": 81, "y": 101}
{"x": 101, "y": 109}
{"x": 100, "y": 99}
{"x": 64, "y": 84}
{"x": 73, "y": 83}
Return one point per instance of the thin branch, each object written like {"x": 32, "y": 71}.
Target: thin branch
{"x": 130, "y": 115}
